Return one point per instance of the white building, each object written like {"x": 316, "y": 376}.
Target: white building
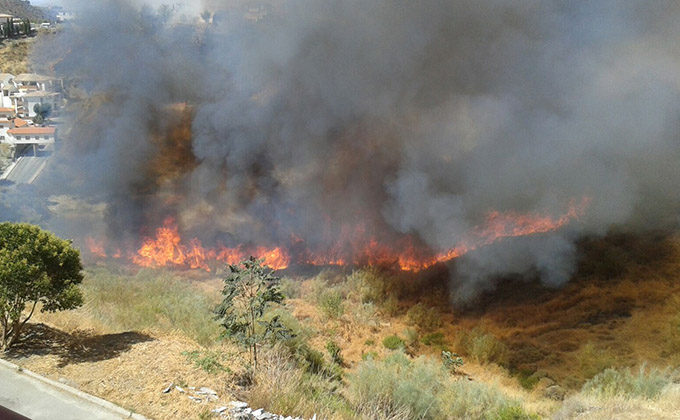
{"x": 31, "y": 99}
{"x": 39, "y": 139}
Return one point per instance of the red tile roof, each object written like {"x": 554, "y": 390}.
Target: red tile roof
{"x": 32, "y": 130}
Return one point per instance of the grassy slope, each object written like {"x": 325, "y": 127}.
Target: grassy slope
{"x": 14, "y": 56}
{"x": 621, "y": 310}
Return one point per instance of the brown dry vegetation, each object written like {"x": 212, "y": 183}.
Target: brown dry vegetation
{"x": 620, "y": 310}
{"x": 14, "y": 56}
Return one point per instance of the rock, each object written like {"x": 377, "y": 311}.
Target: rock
{"x": 195, "y": 399}
{"x": 179, "y": 388}
{"x": 238, "y": 404}
{"x": 314, "y": 418}
{"x": 168, "y": 389}
{"x": 206, "y": 391}
{"x": 554, "y": 392}
{"x": 220, "y": 410}
{"x": 257, "y": 412}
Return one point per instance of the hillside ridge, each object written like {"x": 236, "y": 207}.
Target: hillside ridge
{"x": 22, "y": 9}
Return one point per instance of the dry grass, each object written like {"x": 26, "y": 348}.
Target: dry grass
{"x": 587, "y": 407}
{"x": 620, "y": 310}
{"x": 14, "y": 56}
{"x": 153, "y": 301}
{"x": 129, "y": 369}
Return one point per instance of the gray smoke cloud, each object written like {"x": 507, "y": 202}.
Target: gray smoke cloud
{"x": 407, "y": 118}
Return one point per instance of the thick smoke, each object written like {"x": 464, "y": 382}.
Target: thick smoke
{"x": 407, "y": 117}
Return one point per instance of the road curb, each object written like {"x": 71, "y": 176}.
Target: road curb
{"x": 73, "y": 391}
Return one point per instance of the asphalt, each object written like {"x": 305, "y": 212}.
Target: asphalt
{"x": 27, "y": 169}
{"x": 37, "y": 398}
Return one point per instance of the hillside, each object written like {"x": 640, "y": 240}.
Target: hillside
{"x": 525, "y": 347}
{"x": 22, "y": 9}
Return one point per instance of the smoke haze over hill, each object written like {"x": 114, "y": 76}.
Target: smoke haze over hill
{"x": 406, "y": 118}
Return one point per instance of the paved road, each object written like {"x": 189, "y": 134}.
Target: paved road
{"x": 40, "y": 401}
{"x": 27, "y": 169}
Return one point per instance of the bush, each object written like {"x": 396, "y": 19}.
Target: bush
{"x": 334, "y": 352}
{"x": 451, "y": 361}
{"x": 433, "y": 339}
{"x": 424, "y": 317}
{"x": 283, "y": 387}
{"x": 368, "y": 285}
{"x": 476, "y": 401}
{"x": 622, "y": 383}
{"x": 208, "y": 361}
{"x": 593, "y": 360}
{"x": 390, "y": 306}
{"x": 527, "y": 379}
{"x": 290, "y": 288}
{"x": 420, "y": 389}
{"x": 483, "y": 347}
{"x": 393, "y": 342}
{"x": 397, "y": 385}
{"x": 330, "y": 304}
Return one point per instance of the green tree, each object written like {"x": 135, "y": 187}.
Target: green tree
{"x": 35, "y": 267}
{"x": 248, "y": 291}
{"x": 42, "y": 111}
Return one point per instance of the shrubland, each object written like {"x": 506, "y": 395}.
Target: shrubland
{"x": 367, "y": 344}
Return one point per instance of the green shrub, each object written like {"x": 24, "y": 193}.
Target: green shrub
{"x": 367, "y": 285}
{"x": 330, "y": 303}
{"x": 393, "y": 342}
{"x": 473, "y": 400}
{"x": 451, "y": 361}
{"x": 424, "y": 317}
{"x": 527, "y": 379}
{"x": 208, "y": 361}
{"x": 592, "y": 359}
{"x": 364, "y": 314}
{"x": 397, "y": 384}
{"x": 369, "y": 342}
{"x": 512, "y": 412}
{"x": 281, "y": 386}
{"x": 420, "y": 389}
{"x": 369, "y": 355}
{"x": 411, "y": 337}
{"x": 290, "y": 288}
{"x": 334, "y": 352}
{"x": 622, "y": 383}
{"x": 483, "y": 347}
{"x": 390, "y": 306}
{"x": 433, "y": 339}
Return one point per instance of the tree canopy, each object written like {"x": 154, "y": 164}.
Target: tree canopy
{"x": 35, "y": 267}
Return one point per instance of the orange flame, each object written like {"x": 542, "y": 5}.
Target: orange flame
{"x": 166, "y": 249}
{"x": 96, "y": 247}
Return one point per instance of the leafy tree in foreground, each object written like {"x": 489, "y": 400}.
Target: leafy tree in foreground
{"x": 249, "y": 290}
{"x": 35, "y": 267}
